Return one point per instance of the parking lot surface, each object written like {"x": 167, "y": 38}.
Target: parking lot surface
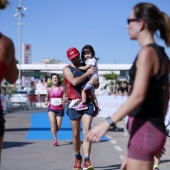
{"x": 21, "y": 154}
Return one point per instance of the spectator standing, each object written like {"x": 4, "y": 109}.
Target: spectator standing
{"x": 117, "y": 88}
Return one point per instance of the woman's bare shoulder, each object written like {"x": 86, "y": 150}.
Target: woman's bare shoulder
{"x": 147, "y": 53}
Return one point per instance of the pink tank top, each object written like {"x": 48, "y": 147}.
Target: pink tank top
{"x": 56, "y": 98}
{"x": 3, "y": 70}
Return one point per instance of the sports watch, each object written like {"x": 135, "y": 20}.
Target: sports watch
{"x": 110, "y": 121}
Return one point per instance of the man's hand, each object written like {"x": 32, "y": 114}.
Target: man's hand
{"x": 91, "y": 71}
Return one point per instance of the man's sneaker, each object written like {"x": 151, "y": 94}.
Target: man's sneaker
{"x": 74, "y": 103}
{"x": 156, "y": 167}
{"x": 96, "y": 112}
{"x": 55, "y": 143}
{"x": 87, "y": 165}
{"x": 81, "y": 106}
{"x": 77, "y": 164}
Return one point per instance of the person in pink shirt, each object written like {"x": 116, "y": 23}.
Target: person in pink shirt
{"x": 55, "y": 100}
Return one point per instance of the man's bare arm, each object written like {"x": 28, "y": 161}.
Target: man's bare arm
{"x": 76, "y": 80}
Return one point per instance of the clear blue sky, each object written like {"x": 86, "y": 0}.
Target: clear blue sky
{"x": 52, "y": 26}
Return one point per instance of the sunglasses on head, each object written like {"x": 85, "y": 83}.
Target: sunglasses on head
{"x": 129, "y": 20}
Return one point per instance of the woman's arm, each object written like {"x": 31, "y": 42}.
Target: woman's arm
{"x": 47, "y": 96}
{"x": 147, "y": 66}
{"x": 145, "y": 70}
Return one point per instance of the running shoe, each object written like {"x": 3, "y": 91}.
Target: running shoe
{"x": 74, "y": 103}
{"x": 81, "y": 106}
{"x": 77, "y": 164}
{"x": 156, "y": 168}
{"x": 55, "y": 143}
{"x": 87, "y": 165}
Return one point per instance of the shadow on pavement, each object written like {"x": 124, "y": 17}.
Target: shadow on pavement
{"x": 111, "y": 167}
{"x": 164, "y": 161}
{"x": 116, "y": 129}
{"x": 16, "y": 129}
{"x": 7, "y": 144}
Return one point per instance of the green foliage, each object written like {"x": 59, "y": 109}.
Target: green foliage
{"x": 110, "y": 76}
{"x": 49, "y": 84}
{"x": 10, "y": 88}
{"x": 111, "y": 79}
{"x": 62, "y": 79}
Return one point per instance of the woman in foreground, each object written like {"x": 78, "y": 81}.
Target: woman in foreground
{"x": 148, "y": 101}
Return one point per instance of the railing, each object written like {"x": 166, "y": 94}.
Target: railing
{"x": 29, "y": 102}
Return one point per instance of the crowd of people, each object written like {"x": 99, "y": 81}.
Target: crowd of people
{"x": 121, "y": 88}
{"x": 147, "y": 90}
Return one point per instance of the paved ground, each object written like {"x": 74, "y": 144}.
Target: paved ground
{"x": 21, "y": 154}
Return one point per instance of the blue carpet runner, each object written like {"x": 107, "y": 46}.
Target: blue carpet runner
{"x": 40, "y": 128}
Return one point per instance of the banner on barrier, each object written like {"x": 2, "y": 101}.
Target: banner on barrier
{"x": 110, "y": 104}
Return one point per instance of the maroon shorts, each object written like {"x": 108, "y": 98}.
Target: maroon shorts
{"x": 145, "y": 139}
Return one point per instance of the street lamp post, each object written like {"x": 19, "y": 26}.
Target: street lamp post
{"x": 19, "y": 14}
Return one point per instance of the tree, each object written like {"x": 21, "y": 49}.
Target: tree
{"x": 111, "y": 79}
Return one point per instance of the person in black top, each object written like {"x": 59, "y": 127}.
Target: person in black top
{"x": 147, "y": 104}
{"x": 125, "y": 86}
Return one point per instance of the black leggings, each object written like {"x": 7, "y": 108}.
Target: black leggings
{"x": 2, "y": 123}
